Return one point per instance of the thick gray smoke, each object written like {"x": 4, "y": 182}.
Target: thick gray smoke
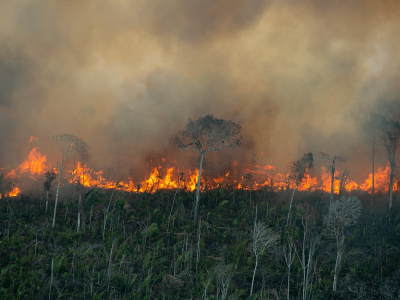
{"x": 286, "y": 70}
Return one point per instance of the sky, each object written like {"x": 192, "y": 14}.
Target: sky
{"x": 287, "y": 71}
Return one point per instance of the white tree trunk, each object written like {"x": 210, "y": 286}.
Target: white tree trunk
{"x": 58, "y": 188}
{"x": 196, "y": 210}
{"x": 79, "y": 214}
{"x": 339, "y": 241}
{"x": 333, "y": 181}
{"x": 47, "y": 200}
{"x": 392, "y": 161}
{"x": 254, "y": 274}
{"x": 291, "y": 199}
{"x": 106, "y": 215}
{"x": 51, "y": 278}
{"x": 288, "y": 283}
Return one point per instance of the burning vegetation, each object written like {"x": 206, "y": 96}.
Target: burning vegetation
{"x": 246, "y": 176}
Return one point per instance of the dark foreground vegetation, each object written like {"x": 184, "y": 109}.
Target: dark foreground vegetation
{"x": 145, "y": 246}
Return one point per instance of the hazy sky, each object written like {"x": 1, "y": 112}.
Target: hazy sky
{"x": 286, "y": 70}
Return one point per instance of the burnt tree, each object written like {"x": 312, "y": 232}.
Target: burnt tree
{"x": 203, "y": 135}
{"x": 331, "y": 161}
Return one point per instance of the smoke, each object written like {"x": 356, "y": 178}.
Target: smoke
{"x": 286, "y": 70}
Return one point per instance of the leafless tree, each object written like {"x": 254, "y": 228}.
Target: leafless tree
{"x": 262, "y": 239}
{"x": 309, "y": 247}
{"x": 203, "y": 135}
{"x": 390, "y": 137}
{"x": 298, "y": 171}
{"x": 289, "y": 252}
{"x": 331, "y": 161}
{"x": 67, "y": 144}
{"x": 368, "y": 121}
{"x": 223, "y": 275}
{"x": 342, "y": 213}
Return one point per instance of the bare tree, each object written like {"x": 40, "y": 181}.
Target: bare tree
{"x": 369, "y": 123}
{"x": 289, "y": 252}
{"x": 390, "y": 137}
{"x": 298, "y": 171}
{"x": 309, "y": 247}
{"x": 263, "y": 238}
{"x": 67, "y": 144}
{"x": 331, "y": 161}
{"x": 49, "y": 177}
{"x": 342, "y": 213}
{"x": 203, "y": 135}
{"x": 223, "y": 275}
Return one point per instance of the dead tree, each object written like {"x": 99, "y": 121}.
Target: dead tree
{"x": 289, "y": 252}
{"x": 309, "y": 247}
{"x": 223, "y": 275}
{"x": 331, "y": 162}
{"x": 298, "y": 171}
{"x": 342, "y": 213}
{"x": 49, "y": 177}
{"x": 263, "y": 238}
{"x": 203, "y": 135}
{"x": 369, "y": 123}
{"x": 390, "y": 137}
{"x": 67, "y": 144}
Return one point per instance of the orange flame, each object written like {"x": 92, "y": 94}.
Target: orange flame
{"x": 13, "y": 193}
{"x": 33, "y": 165}
{"x": 246, "y": 177}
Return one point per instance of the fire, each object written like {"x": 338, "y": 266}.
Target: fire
{"x": 13, "y": 193}
{"x": 308, "y": 183}
{"x": 245, "y": 176}
{"x": 382, "y": 177}
{"x": 33, "y": 165}
{"x": 327, "y": 181}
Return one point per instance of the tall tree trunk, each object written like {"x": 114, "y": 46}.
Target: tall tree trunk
{"x": 373, "y": 172}
{"x": 254, "y": 274}
{"x": 291, "y": 199}
{"x": 288, "y": 284}
{"x": 58, "y": 188}
{"x": 47, "y": 200}
{"x": 392, "y": 167}
{"x": 339, "y": 241}
{"x": 79, "y": 214}
{"x": 391, "y": 186}
{"x": 333, "y": 181}
{"x": 196, "y": 210}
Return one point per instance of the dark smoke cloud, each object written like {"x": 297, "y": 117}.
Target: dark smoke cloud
{"x": 286, "y": 70}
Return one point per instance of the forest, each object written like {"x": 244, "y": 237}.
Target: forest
{"x": 120, "y": 245}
